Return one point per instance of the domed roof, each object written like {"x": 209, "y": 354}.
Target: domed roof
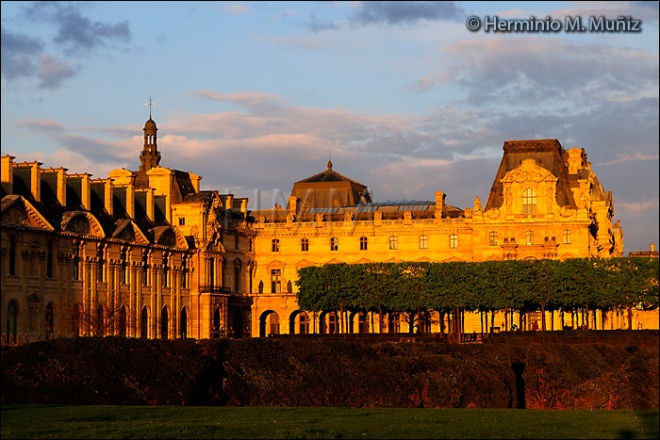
{"x": 150, "y": 125}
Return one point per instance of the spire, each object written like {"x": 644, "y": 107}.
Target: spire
{"x": 150, "y": 156}
{"x": 329, "y": 165}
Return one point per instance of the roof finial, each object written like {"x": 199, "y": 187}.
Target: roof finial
{"x": 150, "y": 103}
{"x": 329, "y": 161}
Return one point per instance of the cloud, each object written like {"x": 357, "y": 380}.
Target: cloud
{"x": 17, "y": 53}
{"x": 75, "y": 32}
{"x": 636, "y": 156}
{"x": 46, "y": 126}
{"x": 404, "y": 12}
{"x": 53, "y": 71}
{"x": 236, "y": 9}
{"x": 548, "y": 71}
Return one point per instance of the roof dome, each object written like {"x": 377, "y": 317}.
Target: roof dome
{"x": 150, "y": 125}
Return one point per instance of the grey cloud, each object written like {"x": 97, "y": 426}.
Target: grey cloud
{"x": 76, "y": 32}
{"x": 53, "y": 71}
{"x": 549, "y": 72}
{"x": 17, "y": 50}
{"x": 405, "y": 12}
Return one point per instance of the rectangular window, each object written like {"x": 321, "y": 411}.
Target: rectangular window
{"x": 492, "y": 238}
{"x": 182, "y": 221}
{"x": 567, "y": 236}
{"x": 275, "y": 245}
{"x": 453, "y": 241}
{"x": 304, "y": 244}
{"x": 334, "y": 244}
{"x": 49, "y": 259}
{"x": 423, "y": 242}
{"x": 276, "y": 280}
{"x": 363, "y": 243}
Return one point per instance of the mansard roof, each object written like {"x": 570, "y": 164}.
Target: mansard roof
{"x": 548, "y": 154}
{"x": 329, "y": 189}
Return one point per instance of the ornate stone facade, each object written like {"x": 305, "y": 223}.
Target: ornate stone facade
{"x": 148, "y": 254}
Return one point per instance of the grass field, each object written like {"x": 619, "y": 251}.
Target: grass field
{"x": 165, "y": 422}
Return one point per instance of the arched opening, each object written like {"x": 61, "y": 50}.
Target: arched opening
{"x": 100, "y": 321}
{"x": 269, "y": 324}
{"x": 164, "y": 324}
{"x": 238, "y": 324}
{"x": 183, "y": 327}
{"x": 12, "y": 310}
{"x": 50, "y": 322}
{"x": 122, "y": 321}
{"x": 144, "y": 323}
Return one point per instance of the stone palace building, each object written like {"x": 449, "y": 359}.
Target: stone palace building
{"x": 149, "y": 254}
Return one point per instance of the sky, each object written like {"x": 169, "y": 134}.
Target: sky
{"x": 403, "y": 97}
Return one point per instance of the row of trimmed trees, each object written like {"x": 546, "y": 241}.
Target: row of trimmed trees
{"x": 574, "y": 285}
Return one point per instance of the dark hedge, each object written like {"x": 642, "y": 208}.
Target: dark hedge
{"x": 559, "y": 370}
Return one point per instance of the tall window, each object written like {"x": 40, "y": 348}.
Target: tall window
{"x": 394, "y": 242}
{"x": 304, "y": 244}
{"x": 567, "y": 236}
{"x": 76, "y": 261}
{"x": 49, "y": 259}
{"x": 334, "y": 244}
{"x": 145, "y": 269}
{"x": 304, "y": 323}
{"x": 166, "y": 270}
{"x": 100, "y": 264}
{"x": 275, "y": 245}
{"x": 529, "y": 201}
{"x": 182, "y": 221}
{"x": 124, "y": 266}
{"x": 237, "y": 275}
{"x": 12, "y": 255}
{"x": 184, "y": 273}
{"x": 211, "y": 273}
{"x": 423, "y": 242}
{"x": 363, "y": 243}
{"x": 453, "y": 241}
{"x": 276, "y": 280}
{"x": 492, "y": 238}
{"x": 529, "y": 237}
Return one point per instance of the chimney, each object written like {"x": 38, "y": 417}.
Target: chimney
{"x": 7, "y": 173}
{"x": 55, "y": 178}
{"x": 439, "y": 201}
{"x": 195, "y": 179}
{"x": 102, "y": 190}
{"x": 30, "y": 172}
{"x": 80, "y": 184}
{"x": 293, "y": 204}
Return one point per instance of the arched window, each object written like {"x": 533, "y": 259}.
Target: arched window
{"x": 275, "y": 245}
{"x": 423, "y": 242}
{"x": 529, "y": 201}
{"x": 394, "y": 242}
{"x": 364, "y": 243}
{"x": 529, "y": 237}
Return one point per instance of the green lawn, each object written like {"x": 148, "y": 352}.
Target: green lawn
{"x": 161, "y": 422}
